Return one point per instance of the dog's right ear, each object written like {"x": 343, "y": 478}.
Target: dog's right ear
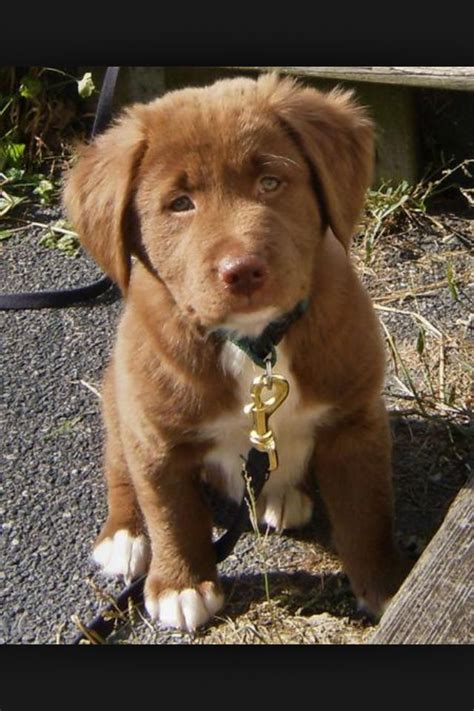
{"x": 335, "y": 135}
{"x": 98, "y": 192}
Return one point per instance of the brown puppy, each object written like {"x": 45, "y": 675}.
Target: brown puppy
{"x": 237, "y": 201}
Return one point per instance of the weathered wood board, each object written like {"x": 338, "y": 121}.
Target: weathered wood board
{"x": 436, "y": 77}
{"x": 435, "y": 603}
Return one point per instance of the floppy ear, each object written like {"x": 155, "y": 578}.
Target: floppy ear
{"x": 336, "y": 137}
{"x": 98, "y": 193}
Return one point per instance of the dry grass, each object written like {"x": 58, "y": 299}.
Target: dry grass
{"x": 286, "y": 602}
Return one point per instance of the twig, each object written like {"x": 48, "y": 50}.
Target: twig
{"x": 17, "y": 229}
{"x": 442, "y": 392}
{"x": 423, "y": 290}
{"x": 90, "y": 635}
{"x": 52, "y": 227}
{"x": 395, "y": 351}
{"x": 91, "y": 388}
{"x": 420, "y": 318}
{"x": 59, "y": 631}
{"x": 404, "y": 413}
{"x": 402, "y": 385}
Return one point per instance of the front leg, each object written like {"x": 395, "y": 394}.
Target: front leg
{"x": 353, "y": 468}
{"x": 181, "y": 588}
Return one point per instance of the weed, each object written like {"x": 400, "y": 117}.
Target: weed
{"x": 60, "y": 238}
{"x": 391, "y": 209}
{"x": 382, "y": 211}
{"x": 451, "y": 279}
{"x": 41, "y": 109}
{"x": 17, "y": 187}
{"x": 261, "y": 540}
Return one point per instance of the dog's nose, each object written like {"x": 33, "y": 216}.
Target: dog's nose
{"x": 243, "y": 275}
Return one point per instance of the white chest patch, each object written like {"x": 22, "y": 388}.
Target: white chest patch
{"x": 293, "y": 426}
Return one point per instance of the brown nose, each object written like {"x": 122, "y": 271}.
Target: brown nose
{"x": 243, "y": 275}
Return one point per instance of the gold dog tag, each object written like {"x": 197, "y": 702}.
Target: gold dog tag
{"x": 262, "y": 436}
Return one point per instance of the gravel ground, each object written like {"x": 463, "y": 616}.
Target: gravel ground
{"x": 51, "y": 449}
{"x": 279, "y": 588}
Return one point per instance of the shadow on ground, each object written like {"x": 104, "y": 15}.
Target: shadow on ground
{"x": 431, "y": 458}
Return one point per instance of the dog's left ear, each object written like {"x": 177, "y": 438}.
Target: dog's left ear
{"x": 98, "y": 193}
{"x": 336, "y": 136}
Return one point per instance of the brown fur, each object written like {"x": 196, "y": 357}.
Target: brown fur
{"x": 164, "y": 382}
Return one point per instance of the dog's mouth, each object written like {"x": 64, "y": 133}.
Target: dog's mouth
{"x": 244, "y": 315}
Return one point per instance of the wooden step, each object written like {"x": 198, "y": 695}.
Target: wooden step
{"x": 435, "y": 603}
{"x": 461, "y": 78}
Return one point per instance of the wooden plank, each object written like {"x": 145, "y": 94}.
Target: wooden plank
{"x": 394, "y": 111}
{"x": 435, "y": 603}
{"x": 139, "y": 84}
{"x": 461, "y": 78}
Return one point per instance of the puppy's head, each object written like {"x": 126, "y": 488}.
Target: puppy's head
{"x": 225, "y": 193}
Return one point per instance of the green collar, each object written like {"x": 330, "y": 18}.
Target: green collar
{"x": 259, "y": 348}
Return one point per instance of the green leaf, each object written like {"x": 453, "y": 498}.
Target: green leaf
{"x": 14, "y": 175}
{"x": 85, "y": 86}
{"x": 8, "y": 202}
{"x": 5, "y": 103}
{"x": 68, "y": 244}
{"x": 44, "y": 190}
{"x": 11, "y": 154}
{"x": 5, "y": 234}
{"x": 30, "y": 87}
{"x": 55, "y": 239}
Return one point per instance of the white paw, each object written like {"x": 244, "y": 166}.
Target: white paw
{"x": 286, "y": 508}
{"x": 124, "y": 554}
{"x": 186, "y": 609}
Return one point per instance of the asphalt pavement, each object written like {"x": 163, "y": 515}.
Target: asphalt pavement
{"x": 53, "y": 500}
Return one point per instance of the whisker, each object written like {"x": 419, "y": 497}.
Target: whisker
{"x": 272, "y": 158}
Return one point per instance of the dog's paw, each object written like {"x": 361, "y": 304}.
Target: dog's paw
{"x": 376, "y": 594}
{"x": 286, "y": 508}
{"x": 123, "y": 554}
{"x": 184, "y": 609}
{"x": 373, "y": 609}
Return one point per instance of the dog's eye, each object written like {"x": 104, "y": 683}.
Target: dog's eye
{"x": 182, "y": 204}
{"x": 269, "y": 183}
